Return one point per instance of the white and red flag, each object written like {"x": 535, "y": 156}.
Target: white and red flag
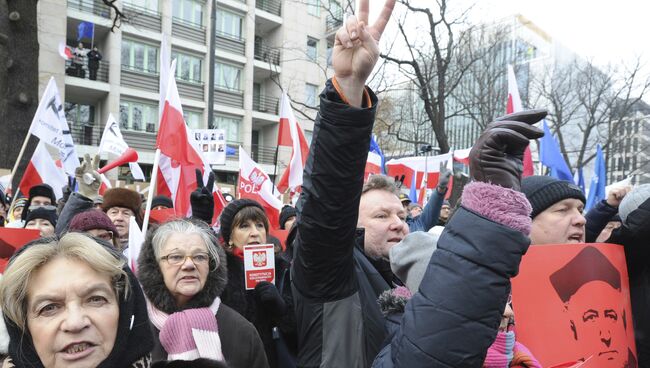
{"x": 514, "y": 105}
{"x": 43, "y": 169}
{"x": 415, "y": 168}
{"x": 290, "y": 135}
{"x": 179, "y": 158}
{"x": 112, "y": 142}
{"x": 65, "y": 51}
{"x": 255, "y": 184}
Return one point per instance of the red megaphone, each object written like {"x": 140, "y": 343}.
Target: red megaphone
{"x": 130, "y": 155}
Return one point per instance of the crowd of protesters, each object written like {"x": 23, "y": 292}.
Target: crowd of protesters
{"x": 364, "y": 279}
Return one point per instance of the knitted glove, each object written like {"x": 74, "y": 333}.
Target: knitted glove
{"x": 443, "y": 179}
{"x": 269, "y": 296}
{"x": 497, "y": 156}
{"x": 88, "y": 178}
{"x": 201, "y": 199}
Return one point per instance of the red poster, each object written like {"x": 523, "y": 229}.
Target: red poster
{"x": 572, "y": 304}
{"x": 11, "y": 240}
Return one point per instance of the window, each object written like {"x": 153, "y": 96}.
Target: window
{"x": 330, "y": 48}
{"x": 313, "y": 7}
{"x": 227, "y": 76}
{"x": 188, "y": 67}
{"x": 312, "y": 48}
{"x": 138, "y": 116}
{"x": 188, "y": 11}
{"x": 230, "y": 24}
{"x": 79, "y": 115}
{"x": 230, "y": 125}
{"x": 139, "y": 56}
{"x": 193, "y": 119}
{"x": 311, "y": 93}
{"x": 143, "y": 4}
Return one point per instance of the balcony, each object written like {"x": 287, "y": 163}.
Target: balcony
{"x": 230, "y": 43}
{"x": 81, "y": 71}
{"x": 265, "y": 104}
{"x": 270, "y": 6}
{"x": 188, "y": 30}
{"x": 259, "y": 154}
{"x": 96, "y": 7}
{"x": 86, "y": 133}
{"x": 139, "y": 78}
{"x": 266, "y": 53}
{"x": 333, "y": 22}
{"x": 190, "y": 88}
{"x": 142, "y": 17}
{"x": 228, "y": 97}
{"x": 140, "y": 140}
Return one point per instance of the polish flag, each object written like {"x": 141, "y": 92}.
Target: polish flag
{"x": 417, "y": 168}
{"x": 290, "y": 135}
{"x": 43, "y": 169}
{"x": 422, "y": 197}
{"x": 373, "y": 165}
{"x": 514, "y": 105}
{"x": 65, "y": 51}
{"x": 179, "y": 158}
{"x": 462, "y": 155}
{"x": 255, "y": 184}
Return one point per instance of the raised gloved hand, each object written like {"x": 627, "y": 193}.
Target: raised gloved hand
{"x": 497, "y": 155}
{"x": 269, "y": 296}
{"x": 443, "y": 179}
{"x": 201, "y": 199}
{"x": 88, "y": 178}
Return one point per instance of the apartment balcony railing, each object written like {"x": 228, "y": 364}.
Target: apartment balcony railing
{"x": 139, "y": 78}
{"x": 230, "y": 43}
{"x": 271, "y": 6}
{"x": 190, "y": 88}
{"x": 333, "y": 21}
{"x": 265, "y": 104}
{"x": 267, "y": 54}
{"x": 260, "y": 154}
{"x": 86, "y": 133}
{"x": 188, "y": 30}
{"x": 96, "y": 7}
{"x": 228, "y": 96}
{"x": 143, "y": 17}
{"x": 82, "y": 71}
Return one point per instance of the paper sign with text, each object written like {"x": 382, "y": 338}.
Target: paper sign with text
{"x": 259, "y": 264}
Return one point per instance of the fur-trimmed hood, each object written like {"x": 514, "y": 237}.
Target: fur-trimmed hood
{"x": 154, "y": 287}
{"x": 393, "y": 301}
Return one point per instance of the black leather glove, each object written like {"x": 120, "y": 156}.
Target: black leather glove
{"x": 443, "y": 179}
{"x": 497, "y": 155}
{"x": 269, "y": 296}
{"x": 201, "y": 199}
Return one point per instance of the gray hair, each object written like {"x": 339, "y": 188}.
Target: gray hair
{"x": 380, "y": 182}
{"x": 185, "y": 226}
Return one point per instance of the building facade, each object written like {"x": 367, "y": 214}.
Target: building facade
{"x": 628, "y": 154}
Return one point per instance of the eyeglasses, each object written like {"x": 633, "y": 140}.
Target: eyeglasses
{"x": 177, "y": 259}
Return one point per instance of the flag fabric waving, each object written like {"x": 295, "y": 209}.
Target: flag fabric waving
{"x": 292, "y": 176}
{"x": 255, "y": 184}
{"x": 579, "y": 179}
{"x": 65, "y": 51}
{"x": 598, "y": 181}
{"x": 550, "y": 155}
{"x": 112, "y": 142}
{"x": 413, "y": 193}
{"x": 179, "y": 158}
{"x": 514, "y": 105}
{"x": 43, "y": 169}
{"x": 85, "y": 30}
{"x": 375, "y": 164}
{"x": 50, "y": 126}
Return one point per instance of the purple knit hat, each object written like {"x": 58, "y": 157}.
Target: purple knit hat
{"x": 91, "y": 219}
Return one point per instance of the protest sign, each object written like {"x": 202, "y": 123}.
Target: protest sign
{"x": 259, "y": 264}
{"x": 212, "y": 143}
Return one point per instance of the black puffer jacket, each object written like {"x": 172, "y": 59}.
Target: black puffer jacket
{"x": 240, "y": 343}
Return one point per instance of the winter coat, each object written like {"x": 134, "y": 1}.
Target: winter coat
{"x": 335, "y": 286}
{"x": 634, "y": 235}
{"x": 430, "y": 214}
{"x": 93, "y": 59}
{"x": 240, "y": 343}
{"x": 76, "y": 204}
{"x": 245, "y": 303}
{"x": 454, "y": 317}
{"x": 597, "y": 218}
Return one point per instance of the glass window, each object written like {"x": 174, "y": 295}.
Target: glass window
{"x": 138, "y": 116}
{"x": 139, "y": 56}
{"x": 230, "y": 24}
{"x": 227, "y": 76}
{"x": 313, "y": 7}
{"x": 189, "y": 11}
{"x": 230, "y": 125}
{"x": 192, "y": 119}
{"x": 311, "y": 93}
{"x": 188, "y": 67}
{"x": 144, "y": 4}
{"x": 312, "y": 48}
{"x": 79, "y": 114}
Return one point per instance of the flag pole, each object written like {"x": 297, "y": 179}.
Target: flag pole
{"x": 154, "y": 176}
{"x": 275, "y": 168}
{"x": 92, "y": 39}
{"x": 14, "y": 193}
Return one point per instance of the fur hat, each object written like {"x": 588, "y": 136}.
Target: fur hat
{"x": 228, "y": 214}
{"x": 162, "y": 200}
{"x": 42, "y": 213}
{"x": 287, "y": 212}
{"x": 633, "y": 200}
{"x": 122, "y": 197}
{"x": 544, "y": 191}
{"x": 91, "y": 219}
{"x": 43, "y": 190}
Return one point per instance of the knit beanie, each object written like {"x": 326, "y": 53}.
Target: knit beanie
{"x": 287, "y": 212}
{"x": 544, "y": 191}
{"x": 42, "y": 190}
{"x": 42, "y": 213}
{"x": 633, "y": 200}
{"x": 90, "y": 220}
{"x": 122, "y": 197}
{"x": 162, "y": 200}
{"x": 410, "y": 257}
{"x": 228, "y": 215}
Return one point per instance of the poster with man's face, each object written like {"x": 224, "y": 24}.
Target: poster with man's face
{"x": 572, "y": 303}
